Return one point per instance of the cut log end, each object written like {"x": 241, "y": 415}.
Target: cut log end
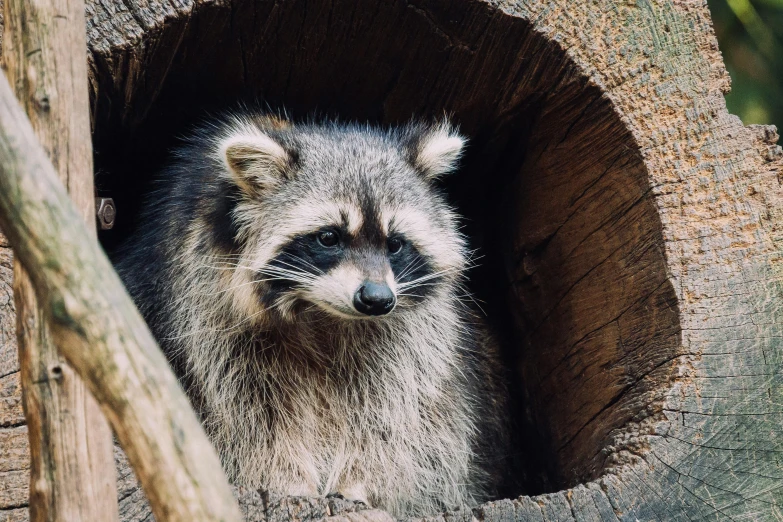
{"x": 626, "y": 220}
{"x": 553, "y": 187}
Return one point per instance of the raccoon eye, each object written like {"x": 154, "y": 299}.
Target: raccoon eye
{"x": 394, "y": 245}
{"x": 328, "y": 238}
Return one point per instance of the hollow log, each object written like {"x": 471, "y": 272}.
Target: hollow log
{"x": 630, "y": 225}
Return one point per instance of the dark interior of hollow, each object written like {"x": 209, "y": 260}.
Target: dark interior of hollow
{"x": 552, "y": 188}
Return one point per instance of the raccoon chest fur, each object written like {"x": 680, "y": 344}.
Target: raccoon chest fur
{"x": 306, "y": 283}
{"x": 374, "y": 414}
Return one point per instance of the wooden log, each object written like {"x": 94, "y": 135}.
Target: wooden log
{"x": 632, "y": 223}
{"x": 100, "y": 333}
{"x": 72, "y": 475}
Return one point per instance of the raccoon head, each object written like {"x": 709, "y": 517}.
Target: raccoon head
{"x": 342, "y": 219}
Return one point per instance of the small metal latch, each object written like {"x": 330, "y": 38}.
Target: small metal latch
{"x": 106, "y": 212}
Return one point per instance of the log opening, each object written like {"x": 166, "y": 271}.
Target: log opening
{"x": 553, "y": 188}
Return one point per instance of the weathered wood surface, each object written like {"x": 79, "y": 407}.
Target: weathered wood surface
{"x": 72, "y": 475}
{"x": 100, "y": 333}
{"x": 14, "y": 446}
{"x": 647, "y": 277}
{"x": 257, "y": 506}
{"x": 593, "y": 311}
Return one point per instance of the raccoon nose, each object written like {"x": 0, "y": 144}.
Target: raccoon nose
{"x": 374, "y": 299}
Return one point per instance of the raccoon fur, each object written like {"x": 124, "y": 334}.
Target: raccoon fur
{"x": 306, "y": 282}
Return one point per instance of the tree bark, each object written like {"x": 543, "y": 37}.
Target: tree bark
{"x": 100, "y": 333}
{"x": 72, "y": 475}
{"x": 640, "y": 250}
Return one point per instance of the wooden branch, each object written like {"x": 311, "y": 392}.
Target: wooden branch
{"x": 72, "y": 474}
{"x": 101, "y": 334}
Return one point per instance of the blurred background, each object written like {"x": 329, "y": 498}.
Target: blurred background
{"x": 750, "y": 34}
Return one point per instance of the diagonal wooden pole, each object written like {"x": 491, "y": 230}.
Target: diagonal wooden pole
{"x": 72, "y": 474}
{"x": 103, "y": 337}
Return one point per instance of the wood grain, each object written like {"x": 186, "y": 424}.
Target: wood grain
{"x": 100, "y": 333}
{"x": 72, "y": 472}
{"x": 554, "y": 189}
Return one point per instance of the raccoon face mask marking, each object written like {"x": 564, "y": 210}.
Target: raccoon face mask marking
{"x": 342, "y": 219}
{"x": 348, "y": 275}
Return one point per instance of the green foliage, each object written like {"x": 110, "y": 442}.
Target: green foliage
{"x": 750, "y": 34}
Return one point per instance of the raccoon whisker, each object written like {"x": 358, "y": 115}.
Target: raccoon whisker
{"x": 292, "y": 269}
{"x": 412, "y": 284}
{"x": 414, "y": 288}
{"x": 298, "y": 281}
{"x": 409, "y": 266}
{"x": 283, "y": 270}
{"x": 306, "y": 262}
{"x": 471, "y": 257}
{"x": 413, "y": 265}
{"x": 471, "y": 254}
{"x": 289, "y": 279}
{"x": 302, "y": 277}
{"x": 411, "y": 295}
{"x": 468, "y": 295}
{"x": 420, "y": 261}
{"x": 472, "y": 263}
{"x": 428, "y": 277}
{"x": 287, "y": 274}
{"x": 425, "y": 283}
{"x": 278, "y": 279}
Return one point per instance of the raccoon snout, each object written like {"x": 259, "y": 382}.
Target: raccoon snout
{"x": 374, "y": 299}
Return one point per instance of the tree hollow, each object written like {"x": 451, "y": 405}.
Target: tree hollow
{"x": 553, "y": 188}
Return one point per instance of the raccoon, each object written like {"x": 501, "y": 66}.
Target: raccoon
{"x": 306, "y": 282}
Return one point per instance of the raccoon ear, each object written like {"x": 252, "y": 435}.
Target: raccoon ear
{"x": 256, "y": 161}
{"x": 437, "y": 151}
